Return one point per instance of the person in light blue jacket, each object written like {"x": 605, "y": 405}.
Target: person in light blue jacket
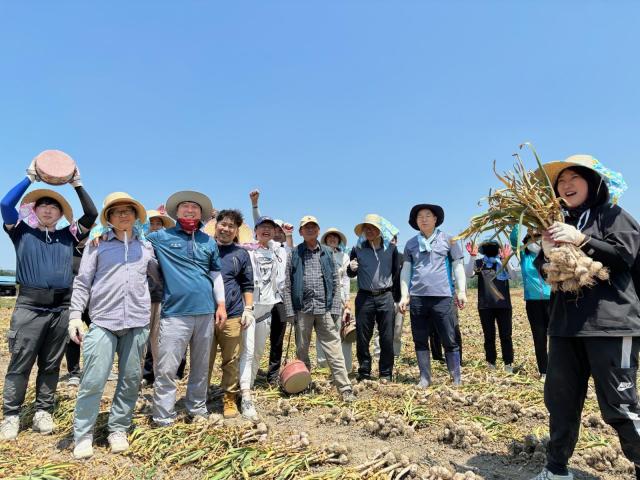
{"x": 536, "y": 296}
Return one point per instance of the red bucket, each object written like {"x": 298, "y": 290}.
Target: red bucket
{"x": 295, "y": 377}
{"x": 55, "y": 167}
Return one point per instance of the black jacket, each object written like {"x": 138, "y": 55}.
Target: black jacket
{"x": 610, "y": 308}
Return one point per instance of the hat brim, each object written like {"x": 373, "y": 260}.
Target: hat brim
{"x": 437, "y": 210}
{"x": 34, "y": 196}
{"x": 360, "y": 227}
{"x": 141, "y": 212}
{"x": 308, "y": 222}
{"x": 189, "y": 196}
{"x": 272, "y": 222}
{"x": 554, "y": 169}
{"x": 342, "y": 236}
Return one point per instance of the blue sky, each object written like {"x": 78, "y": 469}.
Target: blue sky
{"x": 331, "y": 108}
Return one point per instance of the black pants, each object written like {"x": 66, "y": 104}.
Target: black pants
{"x": 34, "y": 335}
{"x": 613, "y": 363}
{"x": 488, "y": 318}
{"x": 276, "y": 340}
{"x": 370, "y": 311}
{"x": 436, "y": 344}
{"x": 72, "y": 354}
{"x": 538, "y": 315}
{"x": 433, "y": 314}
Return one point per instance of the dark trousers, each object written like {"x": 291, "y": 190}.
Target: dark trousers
{"x": 370, "y": 311}
{"x": 538, "y": 315}
{"x": 34, "y": 336}
{"x": 613, "y": 363}
{"x": 436, "y": 344}
{"x": 276, "y": 340}
{"x": 433, "y": 314}
{"x": 72, "y": 354}
{"x": 488, "y": 318}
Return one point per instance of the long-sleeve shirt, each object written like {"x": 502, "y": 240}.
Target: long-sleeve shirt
{"x": 237, "y": 275}
{"x": 342, "y": 263}
{"x": 112, "y": 281}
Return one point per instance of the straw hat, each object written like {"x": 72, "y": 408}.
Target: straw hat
{"x": 36, "y": 195}
{"x": 555, "y": 168}
{"x": 121, "y": 198}
{"x": 189, "y": 196}
{"x": 245, "y": 234}
{"x": 369, "y": 219}
{"x": 335, "y": 231}
{"x": 437, "y": 210}
{"x": 167, "y": 221}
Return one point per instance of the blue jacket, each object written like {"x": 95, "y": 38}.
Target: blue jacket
{"x": 535, "y": 288}
{"x": 297, "y": 276}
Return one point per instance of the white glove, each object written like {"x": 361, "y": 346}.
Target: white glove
{"x": 565, "y": 233}
{"x": 247, "y": 317}
{"x": 76, "y": 181}
{"x": 547, "y": 245}
{"x": 76, "y": 330}
{"x": 353, "y": 265}
{"x": 31, "y": 172}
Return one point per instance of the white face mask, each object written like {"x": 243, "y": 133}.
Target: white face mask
{"x": 534, "y": 248}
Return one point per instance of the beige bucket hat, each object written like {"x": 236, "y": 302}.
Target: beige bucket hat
{"x": 121, "y": 198}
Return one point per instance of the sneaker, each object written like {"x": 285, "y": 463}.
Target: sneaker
{"x": 547, "y": 475}
{"x": 348, "y": 396}
{"x": 73, "y": 381}
{"x": 83, "y": 448}
{"x": 113, "y": 376}
{"x": 43, "y": 422}
{"x": 229, "y": 406}
{"x": 118, "y": 442}
{"x": 492, "y": 366}
{"x": 508, "y": 368}
{"x": 248, "y": 409}
{"x": 9, "y": 427}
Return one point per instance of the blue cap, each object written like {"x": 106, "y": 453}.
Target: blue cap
{"x": 265, "y": 219}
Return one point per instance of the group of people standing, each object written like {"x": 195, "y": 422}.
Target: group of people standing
{"x": 152, "y": 282}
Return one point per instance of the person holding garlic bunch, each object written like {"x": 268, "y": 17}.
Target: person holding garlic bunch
{"x": 594, "y": 329}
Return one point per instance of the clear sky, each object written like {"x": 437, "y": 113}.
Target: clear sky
{"x": 331, "y": 108}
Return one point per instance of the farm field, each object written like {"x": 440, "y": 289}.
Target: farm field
{"x": 493, "y": 427}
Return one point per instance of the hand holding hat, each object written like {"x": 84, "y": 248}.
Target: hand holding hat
{"x": 31, "y": 172}
{"x": 76, "y": 181}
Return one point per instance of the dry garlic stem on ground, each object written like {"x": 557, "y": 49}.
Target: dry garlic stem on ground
{"x": 570, "y": 269}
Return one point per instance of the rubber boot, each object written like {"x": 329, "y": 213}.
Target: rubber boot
{"x": 453, "y": 364}
{"x": 424, "y": 364}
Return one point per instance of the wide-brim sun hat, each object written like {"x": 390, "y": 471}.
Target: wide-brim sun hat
{"x": 189, "y": 196}
{"x": 167, "y": 221}
{"x": 437, "y": 210}
{"x": 335, "y": 231}
{"x": 34, "y": 196}
{"x": 121, "y": 198}
{"x": 554, "y": 168}
{"x": 369, "y": 219}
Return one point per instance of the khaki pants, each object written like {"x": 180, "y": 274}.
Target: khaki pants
{"x": 229, "y": 338}
{"x": 329, "y": 337}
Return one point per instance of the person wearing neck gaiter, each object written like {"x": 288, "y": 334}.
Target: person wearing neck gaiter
{"x": 594, "y": 332}
{"x": 193, "y": 297}
{"x": 431, "y": 260}
{"x": 44, "y": 271}
{"x": 112, "y": 283}
{"x": 494, "y": 299}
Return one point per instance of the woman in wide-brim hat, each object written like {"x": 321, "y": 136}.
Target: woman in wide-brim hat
{"x": 337, "y": 242}
{"x": 161, "y": 219}
{"x": 596, "y": 331}
{"x": 121, "y": 198}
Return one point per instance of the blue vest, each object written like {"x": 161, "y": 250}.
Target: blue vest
{"x": 327, "y": 265}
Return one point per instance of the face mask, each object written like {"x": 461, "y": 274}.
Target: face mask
{"x": 534, "y": 248}
{"x": 189, "y": 225}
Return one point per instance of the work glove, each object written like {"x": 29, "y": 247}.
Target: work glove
{"x": 76, "y": 181}
{"x": 353, "y": 265}
{"x": 31, "y": 172}
{"x": 472, "y": 248}
{"x": 76, "y": 330}
{"x": 505, "y": 252}
{"x": 565, "y": 233}
{"x": 247, "y": 318}
{"x": 547, "y": 244}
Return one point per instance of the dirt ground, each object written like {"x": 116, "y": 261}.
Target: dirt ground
{"x": 493, "y": 426}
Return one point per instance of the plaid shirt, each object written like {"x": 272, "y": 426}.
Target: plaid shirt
{"x": 314, "y": 296}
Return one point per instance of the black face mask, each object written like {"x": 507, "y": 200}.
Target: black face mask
{"x": 490, "y": 250}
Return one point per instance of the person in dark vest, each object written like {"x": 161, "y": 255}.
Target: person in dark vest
{"x": 44, "y": 271}
{"x": 494, "y": 298}
{"x": 312, "y": 296}
{"x": 596, "y": 331}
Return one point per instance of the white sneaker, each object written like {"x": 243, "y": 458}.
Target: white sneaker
{"x": 508, "y": 368}
{"x": 547, "y": 475}
{"x": 248, "y": 409}
{"x": 118, "y": 442}
{"x": 83, "y": 448}
{"x": 43, "y": 422}
{"x": 492, "y": 366}
{"x": 73, "y": 381}
{"x": 9, "y": 427}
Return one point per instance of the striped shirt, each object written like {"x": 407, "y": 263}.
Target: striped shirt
{"x": 113, "y": 282}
